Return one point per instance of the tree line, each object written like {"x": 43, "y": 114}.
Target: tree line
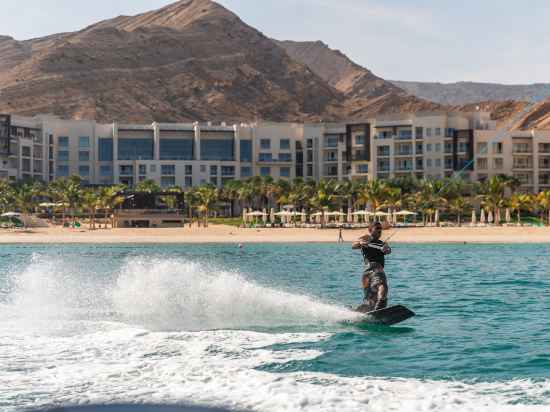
{"x": 452, "y": 197}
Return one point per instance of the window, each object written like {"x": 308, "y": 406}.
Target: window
{"x": 213, "y": 170}
{"x": 26, "y": 165}
{"x": 62, "y": 171}
{"x": 482, "y": 163}
{"x": 405, "y": 134}
{"x": 105, "y": 170}
{"x": 463, "y": 146}
{"x": 284, "y": 144}
{"x": 438, "y": 147}
{"x": 126, "y": 170}
{"x": 63, "y": 141}
{"x": 309, "y": 156}
{"x": 84, "y": 156}
{"x": 309, "y": 170}
{"x": 364, "y": 168}
{"x": 188, "y": 181}
{"x": 359, "y": 140}
{"x": 142, "y": 169}
{"x": 309, "y": 143}
{"x": 419, "y": 131}
{"x": 37, "y": 152}
{"x": 265, "y": 157}
{"x": 383, "y": 150}
{"x": 135, "y": 149}
{"x": 228, "y": 170}
{"x": 50, "y": 139}
{"x": 167, "y": 181}
{"x": 285, "y": 172}
{"x": 331, "y": 141}
{"x": 265, "y": 144}
{"x": 63, "y": 156}
{"x": 450, "y": 132}
{"x": 437, "y": 162}
{"x": 265, "y": 171}
{"x": 246, "y": 171}
{"x": 26, "y": 151}
{"x": 498, "y": 163}
{"x": 203, "y": 168}
{"x": 84, "y": 142}
{"x": 429, "y": 163}
{"x": 176, "y": 149}
{"x": 429, "y": 132}
{"x": 84, "y": 171}
{"x": 188, "y": 169}
{"x": 285, "y": 157}
{"x": 153, "y": 168}
{"x": 217, "y": 149}
{"x": 438, "y": 131}
{"x": 105, "y": 149}
{"x": 482, "y": 148}
{"x": 168, "y": 169}
{"x": 429, "y": 147}
{"x": 246, "y": 150}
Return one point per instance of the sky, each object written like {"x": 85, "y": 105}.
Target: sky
{"x": 500, "y": 41}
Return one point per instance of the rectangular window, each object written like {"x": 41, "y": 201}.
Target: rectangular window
{"x": 188, "y": 169}
{"x": 217, "y": 149}
{"x": 84, "y": 171}
{"x": 285, "y": 157}
{"x": 135, "y": 149}
{"x": 167, "y": 181}
{"x": 429, "y": 132}
{"x": 63, "y": 155}
{"x": 438, "y": 147}
{"x": 265, "y": 157}
{"x": 203, "y": 168}
{"x": 265, "y": 171}
{"x": 359, "y": 140}
{"x": 63, "y": 141}
{"x": 26, "y": 165}
{"x": 228, "y": 170}
{"x": 309, "y": 170}
{"x": 153, "y": 168}
{"x": 309, "y": 156}
{"x": 419, "y": 131}
{"x": 188, "y": 181}
{"x": 482, "y": 163}
{"x": 265, "y": 144}
{"x": 168, "y": 170}
{"x": 176, "y": 149}
{"x": 142, "y": 169}
{"x": 450, "y": 132}
{"x": 126, "y": 170}
{"x": 331, "y": 141}
{"x": 429, "y": 163}
{"x": 438, "y": 131}
{"x": 284, "y": 144}
{"x": 246, "y": 150}
{"x": 363, "y": 168}
{"x": 213, "y": 170}
{"x": 105, "y": 170}
{"x": 26, "y": 151}
{"x": 83, "y": 142}
{"x": 429, "y": 147}
{"x": 105, "y": 149}
{"x": 309, "y": 143}
{"x": 62, "y": 171}
{"x": 405, "y": 134}
{"x": 246, "y": 171}
{"x": 285, "y": 172}
{"x": 84, "y": 156}
{"x": 383, "y": 150}
{"x": 50, "y": 139}
{"x": 437, "y": 162}
{"x": 37, "y": 152}
{"x": 498, "y": 163}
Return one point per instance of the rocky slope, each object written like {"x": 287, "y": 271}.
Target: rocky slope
{"x": 192, "y": 60}
{"x": 469, "y": 92}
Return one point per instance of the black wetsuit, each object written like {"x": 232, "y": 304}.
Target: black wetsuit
{"x": 374, "y": 257}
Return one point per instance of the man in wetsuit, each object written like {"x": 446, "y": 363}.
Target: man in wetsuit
{"x": 375, "y": 285}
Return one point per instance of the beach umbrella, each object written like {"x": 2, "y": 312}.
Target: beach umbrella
{"x": 264, "y": 215}
{"x": 508, "y": 216}
{"x": 474, "y": 218}
{"x": 349, "y": 217}
{"x": 11, "y": 214}
{"x": 436, "y": 217}
{"x": 47, "y": 204}
{"x": 272, "y": 215}
{"x": 482, "y": 217}
{"x": 490, "y": 217}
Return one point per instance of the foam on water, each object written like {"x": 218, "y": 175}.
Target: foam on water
{"x": 144, "y": 335}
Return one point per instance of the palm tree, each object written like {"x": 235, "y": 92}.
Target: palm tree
{"x": 206, "y": 196}
{"x": 543, "y": 203}
{"x": 493, "y": 192}
{"x": 375, "y": 193}
{"x": 148, "y": 186}
{"x": 7, "y": 196}
{"x": 92, "y": 201}
{"x": 458, "y": 206}
{"x": 230, "y": 192}
{"x": 111, "y": 198}
{"x": 519, "y": 202}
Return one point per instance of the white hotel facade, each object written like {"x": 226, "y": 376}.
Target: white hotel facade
{"x": 191, "y": 154}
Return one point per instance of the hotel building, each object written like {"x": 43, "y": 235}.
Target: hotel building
{"x": 190, "y": 154}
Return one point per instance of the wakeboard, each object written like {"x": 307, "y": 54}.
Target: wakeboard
{"x": 387, "y": 316}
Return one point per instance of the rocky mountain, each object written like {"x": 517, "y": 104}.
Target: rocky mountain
{"x": 192, "y": 60}
{"x": 469, "y": 92}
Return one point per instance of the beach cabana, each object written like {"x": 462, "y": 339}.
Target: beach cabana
{"x": 403, "y": 213}
{"x": 490, "y": 217}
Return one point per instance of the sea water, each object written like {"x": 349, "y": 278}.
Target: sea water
{"x": 265, "y": 328}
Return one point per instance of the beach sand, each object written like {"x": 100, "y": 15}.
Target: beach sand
{"x": 228, "y": 234}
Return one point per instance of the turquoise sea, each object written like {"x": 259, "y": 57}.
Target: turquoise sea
{"x": 264, "y": 327}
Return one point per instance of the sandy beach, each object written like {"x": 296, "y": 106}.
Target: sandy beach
{"x": 229, "y": 234}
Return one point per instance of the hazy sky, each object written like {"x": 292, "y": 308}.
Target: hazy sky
{"x": 505, "y": 41}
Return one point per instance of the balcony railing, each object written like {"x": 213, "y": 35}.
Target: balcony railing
{"x": 522, "y": 165}
{"x": 404, "y": 153}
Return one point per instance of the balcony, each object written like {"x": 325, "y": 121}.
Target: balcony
{"x": 522, "y": 165}
{"x": 404, "y": 153}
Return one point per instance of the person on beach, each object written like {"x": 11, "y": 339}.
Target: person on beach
{"x": 375, "y": 285}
